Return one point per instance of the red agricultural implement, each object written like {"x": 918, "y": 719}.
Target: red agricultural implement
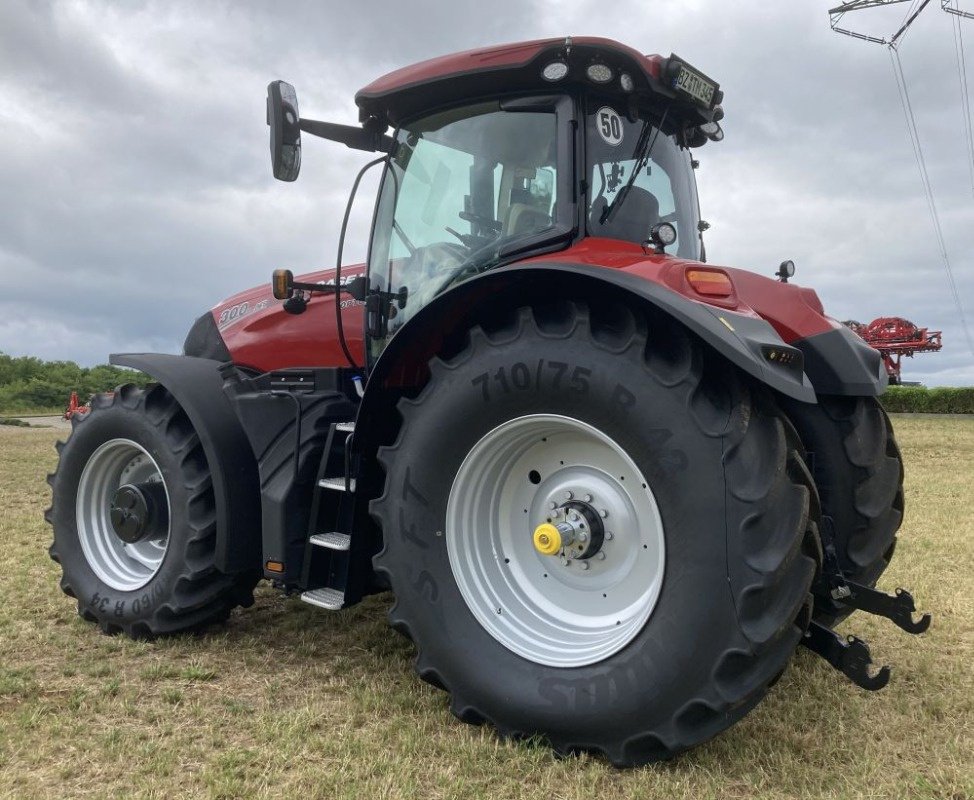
{"x": 895, "y": 337}
{"x": 575, "y": 453}
{"x": 74, "y": 407}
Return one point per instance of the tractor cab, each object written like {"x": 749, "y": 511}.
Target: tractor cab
{"x": 502, "y": 154}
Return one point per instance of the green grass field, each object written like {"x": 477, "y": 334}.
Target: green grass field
{"x": 288, "y": 701}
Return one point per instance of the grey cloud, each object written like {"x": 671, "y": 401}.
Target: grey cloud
{"x": 137, "y": 193}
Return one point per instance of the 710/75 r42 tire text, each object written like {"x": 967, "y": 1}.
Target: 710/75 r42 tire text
{"x": 559, "y": 414}
{"x": 134, "y": 519}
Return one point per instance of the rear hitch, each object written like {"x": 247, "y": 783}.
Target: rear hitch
{"x": 850, "y": 656}
{"x": 898, "y": 607}
{"x": 835, "y": 594}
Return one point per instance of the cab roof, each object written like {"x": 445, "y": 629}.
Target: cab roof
{"x": 511, "y": 68}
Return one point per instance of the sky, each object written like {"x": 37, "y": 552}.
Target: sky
{"x": 137, "y": 190}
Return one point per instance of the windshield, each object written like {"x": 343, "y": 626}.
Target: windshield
{"x": 465, "y": 188}
{"x": 663, "y": 190}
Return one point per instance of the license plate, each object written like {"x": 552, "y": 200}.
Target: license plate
{"x": 697, "y": 87}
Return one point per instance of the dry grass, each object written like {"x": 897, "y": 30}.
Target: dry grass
{"x": 288, "y": 701}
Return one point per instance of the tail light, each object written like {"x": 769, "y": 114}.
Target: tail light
{"x": 710, "y": 282}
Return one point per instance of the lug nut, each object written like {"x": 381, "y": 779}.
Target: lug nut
{"x": 582, "y": 536}
{"x": 608, "y": 535}
{"x": 600, "y": 556}
{"x": 552, "y": 505}
{"x": 585, "y": 565}
{"x": 568, "y": 495}
{"x": 587, "y": 498}
{"x": 603, "y": 513}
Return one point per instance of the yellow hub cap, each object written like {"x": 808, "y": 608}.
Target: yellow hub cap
{"x": 547, "y": 539}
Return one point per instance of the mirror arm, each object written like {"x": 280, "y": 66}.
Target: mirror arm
{"x": 349, "y": 135}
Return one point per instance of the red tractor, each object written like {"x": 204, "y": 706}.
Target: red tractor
{"x": 612, "y": 487}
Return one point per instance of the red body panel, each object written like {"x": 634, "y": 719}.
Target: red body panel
{"x": 259, "y": 334}
{"x": 793, "y": 311}
{"x": 486, "y": 58}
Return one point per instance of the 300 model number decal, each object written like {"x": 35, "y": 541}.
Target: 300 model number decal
{"x": 236, "y": 313}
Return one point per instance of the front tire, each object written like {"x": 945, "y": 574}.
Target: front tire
{"x": 148, "y": 568}
{"x": 682, "y": 435}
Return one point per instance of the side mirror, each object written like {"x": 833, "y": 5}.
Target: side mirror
{"x": 284, "y": 121}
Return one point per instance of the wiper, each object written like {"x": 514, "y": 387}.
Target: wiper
{"x": 501, "y": 251}
{"x": 644, "y": 149}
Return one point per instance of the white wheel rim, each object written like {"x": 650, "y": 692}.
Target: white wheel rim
{"x": 546, "y": 608}
{"x": 121, "y": 565}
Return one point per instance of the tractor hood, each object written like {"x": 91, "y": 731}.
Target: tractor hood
{"x": 253, "y": 330}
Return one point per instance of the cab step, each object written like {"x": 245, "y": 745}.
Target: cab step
{"x": 345, "y": 427}
{"x": 337, "y": 484}
{"x": 332, "y": 540}
{"x": 330, "y": 599}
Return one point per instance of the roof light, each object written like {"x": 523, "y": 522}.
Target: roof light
{"x": 626, "y": 82}
{"x": 785, "y": 270}
{"x": 662, "y": 234}
{"x": 713, "y": 131}
{"x": 710, "y": 282}
{"x": 555, "y": 71}
{"x": 598, "y": 73}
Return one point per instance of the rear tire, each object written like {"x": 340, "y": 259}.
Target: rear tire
{"x": 858, "y": 470}
{"x": 167, "y": 582}
{"x": 734, "y": 500}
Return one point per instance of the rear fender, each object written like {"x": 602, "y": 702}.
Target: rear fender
{"x": 197, "y": 385}
{"x": 746, "y": 341}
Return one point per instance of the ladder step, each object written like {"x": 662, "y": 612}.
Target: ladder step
{"x": 333, "y": 541}
{"x": 337, "y": 484}
{"x": 345, "y": 427}
{"x": 330, "y": 599}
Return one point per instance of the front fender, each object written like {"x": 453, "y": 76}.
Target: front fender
{"x": 197, "y": 385}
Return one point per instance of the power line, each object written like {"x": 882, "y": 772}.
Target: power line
{"x": 911, "y": 125}
{"x": 965, "y": 97}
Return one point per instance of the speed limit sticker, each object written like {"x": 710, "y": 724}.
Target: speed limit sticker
{"x": 609, "y": 125}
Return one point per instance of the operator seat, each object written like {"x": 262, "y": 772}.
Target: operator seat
{"x": 523, "y": 218}
{"x": 631, "y": 221}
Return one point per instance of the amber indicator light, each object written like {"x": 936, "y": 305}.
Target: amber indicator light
{"x": 710, "y": 282}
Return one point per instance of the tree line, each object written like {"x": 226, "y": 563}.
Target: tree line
{"x": 29, "y": 384}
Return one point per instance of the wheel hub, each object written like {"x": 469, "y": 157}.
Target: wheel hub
{"x": 139, "y": 511}
{"x": 576, "y": 532}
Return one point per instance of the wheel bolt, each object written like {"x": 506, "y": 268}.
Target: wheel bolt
{"x": 587, "y": 498}
{"x": 568, "y": 495}
{"x": 585, "y": 565}
{"x": 582, "y": 536}
{"x": 603, "y": 513}
{"x": 600, "y": 556}
{"x": 552, "y": 505}
{"x": 608, "y": 535}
